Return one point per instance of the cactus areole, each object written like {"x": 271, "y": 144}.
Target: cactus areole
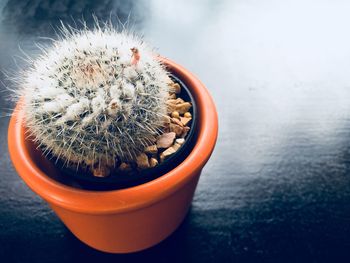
{"x": 96, "y": 100}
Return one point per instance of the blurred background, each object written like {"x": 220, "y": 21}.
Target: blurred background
{"x": 277, "y": 188}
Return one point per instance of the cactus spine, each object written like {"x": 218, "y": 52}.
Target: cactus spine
{"x": 95, "y": 97}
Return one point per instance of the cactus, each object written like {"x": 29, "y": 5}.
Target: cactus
{"x": 95, "y": 97}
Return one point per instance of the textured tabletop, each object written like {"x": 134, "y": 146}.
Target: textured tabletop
{"x": 277, "y": 188}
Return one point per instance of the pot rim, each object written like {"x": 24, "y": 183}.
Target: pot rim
{"x": 122, "y": 200}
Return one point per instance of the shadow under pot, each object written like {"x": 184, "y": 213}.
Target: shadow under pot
{"x": 121, "y": 214}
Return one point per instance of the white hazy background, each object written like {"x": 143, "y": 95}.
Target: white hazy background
{"x": 279, "y": 71}
{"x": 272, "y": 66}
{"x": 295, "y": 48}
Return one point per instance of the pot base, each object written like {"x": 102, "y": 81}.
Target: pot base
{"x": 131, "y": 231}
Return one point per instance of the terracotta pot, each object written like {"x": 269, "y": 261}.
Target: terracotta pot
{"x": 126, "y": 220}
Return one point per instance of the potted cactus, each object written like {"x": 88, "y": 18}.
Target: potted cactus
{"x": 112, "y": 136}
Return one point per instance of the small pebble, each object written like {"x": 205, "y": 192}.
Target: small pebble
{"x": 89, "y": 162}
{"x": 185, "y": 131}
{"x": 176, "y": 88}
{"x": 171, "y": 105}
{"x": 153, "y": 162}
{"x": 185, "y": 120}
{"x": 142, "y": 161}
{"x": 166, "y": 119}
{"x": 167, "y": 153}
{"x": 176, "y": 128}
{"x": 183, "y": 107}
{"x": 176, "y": 146}
{"x": 102, "y": 171}
{"x": 171, "y": 101}
{"x": 125, "y": 167}
{"x": 175, "y": 114}
{"x": 152, "y": 149}
{"x": 166, "y": 140}
{"x": 188, "y": 115}
{"x": 176, "y": 121}
{"x": 180, "y": 141}
{"x": 179, "y": 101}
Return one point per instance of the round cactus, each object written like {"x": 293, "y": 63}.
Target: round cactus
{"x": 95, "y": 97}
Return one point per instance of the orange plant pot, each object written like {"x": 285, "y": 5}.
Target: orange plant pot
{"x": 126, "y": 220}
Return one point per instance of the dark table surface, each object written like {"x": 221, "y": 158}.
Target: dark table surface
{"x": 277, "y": 188}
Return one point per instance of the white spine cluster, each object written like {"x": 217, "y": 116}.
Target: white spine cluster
{"x": 88, "y": 99}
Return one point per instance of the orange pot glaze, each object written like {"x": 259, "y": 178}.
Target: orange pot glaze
{"x": 126, "y": 220}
